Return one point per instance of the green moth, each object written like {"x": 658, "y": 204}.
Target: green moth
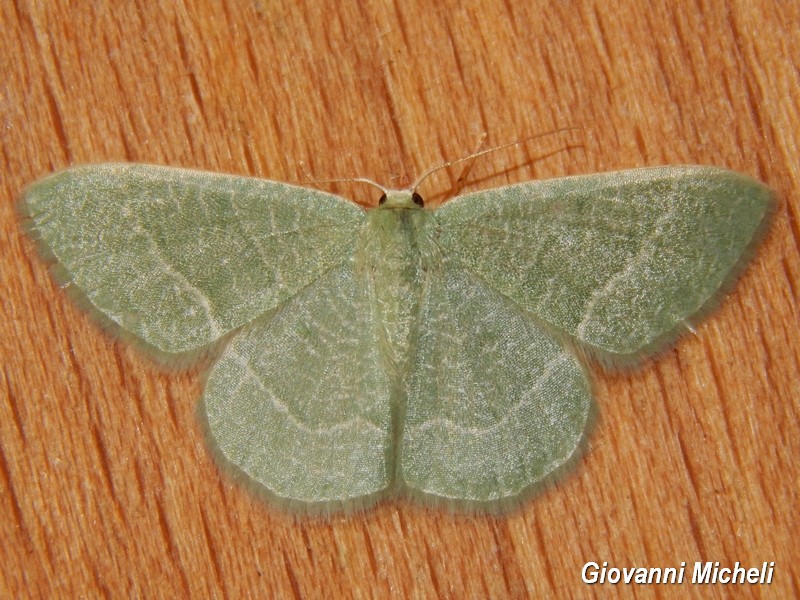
{"x": 398, "y": 350}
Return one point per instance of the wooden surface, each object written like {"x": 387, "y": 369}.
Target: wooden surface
{"x": 107, "y": 488}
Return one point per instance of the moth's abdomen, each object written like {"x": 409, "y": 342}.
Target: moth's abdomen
{"x": 395, "y": 252}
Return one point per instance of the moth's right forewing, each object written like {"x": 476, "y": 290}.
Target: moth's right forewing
{"x": 617, "y": 261}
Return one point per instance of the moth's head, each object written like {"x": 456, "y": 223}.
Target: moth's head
{"x": 401, "y": 199}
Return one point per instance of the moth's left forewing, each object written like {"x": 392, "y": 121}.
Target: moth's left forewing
{"x": 619, "y": 262}
{"x": 180, "y": 258}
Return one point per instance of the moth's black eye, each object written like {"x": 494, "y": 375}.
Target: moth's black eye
{"x": 382, "y": 199}
{"x": 417, "y": 199}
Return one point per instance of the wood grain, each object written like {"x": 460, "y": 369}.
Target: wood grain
{"x": 107, "y": 486}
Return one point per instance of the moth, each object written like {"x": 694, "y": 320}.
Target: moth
{"x": 398, "y": 350}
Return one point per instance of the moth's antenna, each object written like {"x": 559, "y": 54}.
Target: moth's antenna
{"x": 475, "y": 155}
{"x": 467, "y": 168}
{"x": 312, "y": 181}
{"x": 348, "y": 180}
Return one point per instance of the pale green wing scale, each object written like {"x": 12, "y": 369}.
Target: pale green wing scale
{"x": 618, "y": 261}
{"x": 406, "y": 351}
{"x": 301, "y": 402}
{"x": 495, "y": 404}
{"x": 179, "y": 257}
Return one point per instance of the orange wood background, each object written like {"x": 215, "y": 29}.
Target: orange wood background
{"x": 106, "y": 486}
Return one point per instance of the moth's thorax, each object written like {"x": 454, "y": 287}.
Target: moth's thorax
{"x": 396, "y": 251}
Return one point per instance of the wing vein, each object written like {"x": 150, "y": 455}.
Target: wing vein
{"x": 181, "y": 279}
{"x": 547, "y": 370}
{"x": 355, "y": 422}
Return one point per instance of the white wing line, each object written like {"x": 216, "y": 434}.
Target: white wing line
{"x": 199, "y": 296}
{"x": 644, "y": 251}
{"x": 355, "y": 422}
{"x": 548, "y": 370}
